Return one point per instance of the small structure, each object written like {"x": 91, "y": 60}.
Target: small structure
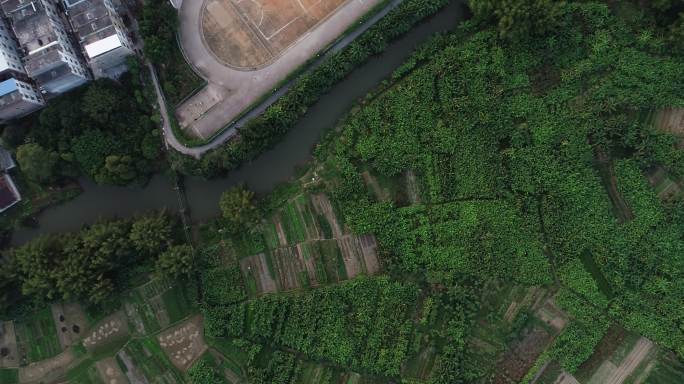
{"x": 17, "y": 99}
{"x": 101, "y": 34}
{"x": 9, "y": 194}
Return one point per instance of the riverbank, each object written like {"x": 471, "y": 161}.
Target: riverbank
{"x": 261, "y": 175}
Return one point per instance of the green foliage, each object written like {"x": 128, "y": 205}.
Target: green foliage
{"x": 98, "y": 130}
{"x": 222, "y": 286}
{"x": 175, "y": 262}
{"x": 239, "y": 210}
{"x": 37, "y": 163}
{"x": 517, "y": 19}
{"x": 79, "y": 266}
{"x": 205, "y": 371}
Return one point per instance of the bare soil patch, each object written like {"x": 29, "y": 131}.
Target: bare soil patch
{"x": 112, "y": 329}
{"x": 9, "y": 355}
{"x": 671, "y": 120}
{"x": 47, "y": 370}
{"x": 71, "y": 323}
{"x": 110, "y": 372}
{"x": 322, "y": 206}
{"x": 521, "y": 356}
{"x": 184, "y": 343}
{"x": 249, "y": 34}
{"x": 256, "y": 267}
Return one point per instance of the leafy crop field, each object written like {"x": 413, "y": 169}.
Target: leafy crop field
{"x": 37, "y": 336}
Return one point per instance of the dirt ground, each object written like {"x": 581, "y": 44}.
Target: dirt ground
{"x": 111, "y": 329}
{"x": 248, "y": 34}
{"x": 9, "y": 357}
{"x": 322, "y": 206}
{"x": 609, "y": 373}
{"x": 517, "y": 361}
{"x": 47, "y": 370}
{"x": 257, "y": 267}
{"x": 551, "y": 315}
{"x": 110, "y": 372}
{"x": 671, "y": 120}
{"x": 71, "y": 323}
{"x": 184, "y": 343}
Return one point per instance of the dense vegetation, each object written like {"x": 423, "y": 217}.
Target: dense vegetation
{"x": 505, "y": 136}
{"x": 158, "y": 28}
{"x": 89, "y": 265}
{"x": 98, "y": 130}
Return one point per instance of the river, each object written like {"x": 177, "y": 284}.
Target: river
{"x": 261, "y": 175}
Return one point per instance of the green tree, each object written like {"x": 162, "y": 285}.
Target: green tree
{"x": 38, "y": 163}
{"x": 119, "y": 170}
{"x": 175, "y": 262}
{"x": 151, "y": 234}
{"x": 238, "y": 208}
{"x": 516, "y": 19}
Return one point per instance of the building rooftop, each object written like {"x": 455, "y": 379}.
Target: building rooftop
{"x": 91, "y": 20}
{"x": 6, "y": 160}
{"x": 9, "y": 195}
{"x": 103, "y": 46}
{"x": 8, "y": 86}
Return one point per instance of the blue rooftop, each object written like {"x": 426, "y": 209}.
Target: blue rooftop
{"x": 8, "y": 86}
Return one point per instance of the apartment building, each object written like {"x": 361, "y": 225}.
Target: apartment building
{"x": 49, "y": 56}
{"x": 10, "y": 59}
{"x": 18, "y": 98}
{"x": 101, "y": 34}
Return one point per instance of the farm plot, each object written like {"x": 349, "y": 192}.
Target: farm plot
{"x": 143, "y": 361}
{"x": 9, "y": 356}
{"x": 515, "y": 325}
{"x": 36, "y": 337}
{"x": 665, "y": 187}
{"x": 71, "y": 322}
{"x": 109, "y": 334}
{"x": 307, "y": 247}
{"x": 156, "y": 305}
{"x": 184, "y": 343}
{"x": 85, "y": 373}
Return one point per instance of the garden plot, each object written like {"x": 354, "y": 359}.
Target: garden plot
{"x": 143, "y": 361}
{"x": 665, "y": 187}
{"x": 36, "y": 337}
{"x": 184, "y": 343}
{"x": 47, "y": 370}
{"x": 110, "y": 331}
{"x": 258, "y": 276}
{"x": 110, "y": 372}
{"x": 71, "y": 322}
{"x": 9, "y": 356}
{"x": 155, "y": 306}
{"x": 323, "y": 207}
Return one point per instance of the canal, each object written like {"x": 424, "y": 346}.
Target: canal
{"x": 261, "y": 175}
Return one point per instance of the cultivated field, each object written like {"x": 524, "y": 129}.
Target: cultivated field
{"x": 306, "y": 246}
{"x": 248, "y": 34}
{"x": 183, "y": 343}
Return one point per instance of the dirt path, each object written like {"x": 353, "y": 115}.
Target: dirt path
{"x": 631, "y": 362}
{"x": 605, "y": 167}
{"x": 566, "y": 378}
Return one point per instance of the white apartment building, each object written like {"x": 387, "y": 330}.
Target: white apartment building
{"x": 10, "y": 61}
{"x": 18, "y": 98}
{"x": 101, "y": 34}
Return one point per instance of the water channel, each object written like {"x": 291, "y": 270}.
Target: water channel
{"x": 261, "y": 175}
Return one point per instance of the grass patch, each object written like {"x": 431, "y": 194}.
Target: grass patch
{"x": 9, "y": 376}
{"x": 177, "y": 304}
{"x": 152, "y": 362}
{"x": 37, "y": 336}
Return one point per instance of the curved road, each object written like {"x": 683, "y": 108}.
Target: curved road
{"x": 238, "y": 89}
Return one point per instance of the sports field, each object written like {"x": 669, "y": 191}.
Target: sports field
{"x": 249, "y": 34}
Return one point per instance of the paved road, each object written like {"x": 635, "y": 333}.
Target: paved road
{"x": 242, "y": 88}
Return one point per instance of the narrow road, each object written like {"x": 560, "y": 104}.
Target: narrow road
{"x": 212, "y": 73}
